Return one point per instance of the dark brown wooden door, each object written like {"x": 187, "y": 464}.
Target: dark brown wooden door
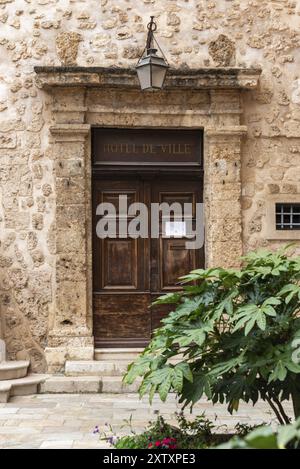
{"x": 128, "y": 274}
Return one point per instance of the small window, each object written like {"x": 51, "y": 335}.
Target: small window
{"x": 287, "y": 216}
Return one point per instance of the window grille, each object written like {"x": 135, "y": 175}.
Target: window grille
{"x": 287, "y": 216}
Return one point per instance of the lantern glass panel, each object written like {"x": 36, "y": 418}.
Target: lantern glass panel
{"x": 144, "y": 76}
{"x": 158, "y": 75}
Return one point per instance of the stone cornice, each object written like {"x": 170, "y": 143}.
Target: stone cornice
{"x": 114, "y": 77}
{"x": 231, "y": 131}
{"x": 69, "y": 132}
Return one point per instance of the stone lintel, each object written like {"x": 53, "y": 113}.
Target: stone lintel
{"x": 62, "y": 109}
{"x": 114, "y": 77}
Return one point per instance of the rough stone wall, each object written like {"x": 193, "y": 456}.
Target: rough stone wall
{"x": 192, "y": 33}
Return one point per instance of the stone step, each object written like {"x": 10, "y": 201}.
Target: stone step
{"x": 114, "y": 385}
{"x": 21, "y": 387}
{"x": 117, "y": 354}
{"x": 4, "y": 391}
{"x": 13, "y": 370}
{"x": 71, "y": 385}
{"x": 95, "y": 368}
{"x": 86, "y": 385}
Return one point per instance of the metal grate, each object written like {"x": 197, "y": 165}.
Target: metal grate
{"x": 287, "y": 216}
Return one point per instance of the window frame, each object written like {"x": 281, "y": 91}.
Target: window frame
{"x": 272, "y": 233}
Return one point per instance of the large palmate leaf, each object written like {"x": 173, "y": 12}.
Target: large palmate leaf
{"x": 193, "y": 391}
{"x": 250, "y": 314}
{"x": 169, "y": 298}
{"x": 290, "y": 291}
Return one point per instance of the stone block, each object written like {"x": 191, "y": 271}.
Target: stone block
{"x": 13, "y": 369}
{"x": 227, "y": 191}
{"x": 226, "y": 254}
{"x": 70, "y": 168}
{"x": 71, "y": 302}
{"x": 71, "y": 267}
{"x": 95, "y": 368}
{"x": 224, "y": 229}
{"x": 69, "y": 215}
{"x": 222, "y": 171}
{"x": 8, "y": 140}
{"x": 24, "y": 390}
{"x": 57, "y": 355}
{"x": 67, "y": 43}
{"x": 4, "y": 393}
{"x": 229, "y": 209}
{"x": 71, "y": 385}
{"x": 115, "y": 385}
{"x": 70, "y": 190}
{"x": 110, "y": 354}
{"x": 70, "y": 240}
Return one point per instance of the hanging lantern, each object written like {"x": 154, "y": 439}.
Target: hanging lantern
{"x": 151, "y": 68}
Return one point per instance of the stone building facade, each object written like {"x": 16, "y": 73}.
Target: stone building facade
{"x": 235, "y": 73}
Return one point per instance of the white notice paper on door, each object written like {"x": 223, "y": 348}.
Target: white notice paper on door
{"x": 175, "y": 228}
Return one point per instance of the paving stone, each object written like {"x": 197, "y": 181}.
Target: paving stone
{"x": 64, "y": 436}
{"x": 8, "y": 410}
{"x": 68, "y": 420}
{"x": 66, "y": 444}
{"x": 90, "y": 445}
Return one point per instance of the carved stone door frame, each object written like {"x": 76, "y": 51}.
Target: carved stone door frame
{"x": 86, "y": 97}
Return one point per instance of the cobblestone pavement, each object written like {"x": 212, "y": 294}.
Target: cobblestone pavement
{"x": 67, "y": 420}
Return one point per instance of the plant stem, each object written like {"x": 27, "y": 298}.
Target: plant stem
{"x": 282, "y": 412}
{"x": 275, "y": 410}
{"x": 296, "y": 403}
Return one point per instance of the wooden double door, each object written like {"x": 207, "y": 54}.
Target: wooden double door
{"x": 129, "y": 273}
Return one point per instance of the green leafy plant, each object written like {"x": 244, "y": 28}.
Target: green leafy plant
{"x": 231, "y": 336}
{"x": 242, "y": 429}
{"x": 201, "y": 433}
{"x": 285, "y": 437}
{"x": 160, "y": 434}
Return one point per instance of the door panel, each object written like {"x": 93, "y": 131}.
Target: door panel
{"x": 176, "y": 261}
{"x": 172, "y": 259}
{"x": 122, "y": 320}
{"x": 128, "y": 274}
{"x": 119, "y": 252}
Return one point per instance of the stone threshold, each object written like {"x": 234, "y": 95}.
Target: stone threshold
{"x": 110, "y": 354}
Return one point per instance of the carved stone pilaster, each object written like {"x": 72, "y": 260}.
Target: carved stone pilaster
{"x": 70, "y": 335}
{"x": 223, "y": 196}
